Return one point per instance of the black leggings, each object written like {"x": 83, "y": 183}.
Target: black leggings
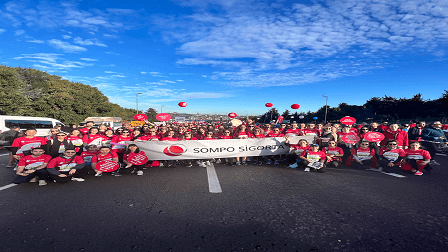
{"x": 432, "y": 148}
{"x": 42, "y": 174}
{"x": 130, "y": 169}
{"x": 78, "y": 174}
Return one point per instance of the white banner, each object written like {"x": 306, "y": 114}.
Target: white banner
{"x": 226, "y": 148}
{"x": 179, "y": 119}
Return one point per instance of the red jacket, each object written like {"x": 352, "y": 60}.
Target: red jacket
{"x": 400, "y": 135}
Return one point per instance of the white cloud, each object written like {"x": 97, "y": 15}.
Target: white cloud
{"x": 36, "y": 41}
{"x": 2, "y": 31}
{"x": 143, "y": 72}
{"x": 88, "y": 59}
{"x": 19, "y": 32}
{"x": 112, "y": 53}
{"x": 65, "y": 46}
{"x": 87, "y": 42}
{"x": 66, "y": 36}
{"x": 51, "y": 61}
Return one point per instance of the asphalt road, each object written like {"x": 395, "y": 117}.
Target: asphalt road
{"x": 260, "y": 208}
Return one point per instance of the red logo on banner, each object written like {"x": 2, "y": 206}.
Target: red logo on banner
{"x": 163, "y": 117}
{"x": 138, "y": 159}
{"x": 350, "y": 139}
{"x": 347, "y": 120}
{"x": 107, "y": 166}
{"x": 232, "y": 115}
{"x": 175, "y": 150}
{"x": 374, "y": 137}
{"x": 140, "y": 117}
{"x": 280, "y": 119}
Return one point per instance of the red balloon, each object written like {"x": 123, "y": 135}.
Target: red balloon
{"x": 295, "y": 106}
{"x": 268, "y": 104}
{"x": 232, "y": 115}
{"x": 182, "y": 104}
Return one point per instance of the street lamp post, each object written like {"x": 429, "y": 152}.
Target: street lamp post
{"x": 161, "y": 108}
{"x": 326, "y": 107}
{"x": 136, "y": 100}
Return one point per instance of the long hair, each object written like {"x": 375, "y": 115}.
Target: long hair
{"x": 129, "y": 151}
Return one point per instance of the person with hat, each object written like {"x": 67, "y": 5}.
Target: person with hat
{"x": 31, "y": 166}
{"x": 67, "y": 167}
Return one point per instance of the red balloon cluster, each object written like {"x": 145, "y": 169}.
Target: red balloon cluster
{"x": 295, "y": 106}
{"x": 232, "y": 115}
{"x": 182, "y": 104}
{"x": 268, "y": 104}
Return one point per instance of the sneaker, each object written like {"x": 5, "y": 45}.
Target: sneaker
{"x": 238, "y": 163}
{"x": 218, "y": 161}
{"x": 269, "y": 162}
{"x": 33, "y": 180}
{"x": 161, "y": 164}
{"x": 260, "y": 163}
{"x": 133, "y": 171}
{"x": 116, "y": 174}
{"x": 42, "y": 183}
{"x": 244, "y": 163}
{"x": 189, "y": 165}
{"x": 418, "y": 173}
{"x": 139, "y": 173}
{"x": 10, "y": 165}
{"x": 276, "y": 162}
{"x": 307, "y": 169}
{"x": 98, "y": 174}
{"x": 78, "y": 179}
{"x": 293, "y": 166}
{"x": 207, "y": 163}
{"x": 433, "y": 162}
{"x": 202, "y": 164}
{"x": 198, "y": 162}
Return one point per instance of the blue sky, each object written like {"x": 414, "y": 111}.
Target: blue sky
{"x": 234, "y": 56}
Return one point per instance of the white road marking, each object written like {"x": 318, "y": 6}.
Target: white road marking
{"x": 213, "y": 182}
{"x": 440, "y": 154}
{"x": 7, "y": 186}
{"x": 7, "y": 154}
{"x": 387, "y": 173}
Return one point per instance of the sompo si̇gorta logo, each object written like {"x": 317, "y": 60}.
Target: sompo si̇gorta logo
{"x": 175, "y": 150}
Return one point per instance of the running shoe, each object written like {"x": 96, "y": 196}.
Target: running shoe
{"x": 207, "y": 163}
{"x": 244, "y": 163}
{"x": 269, "y": 162}
{"x": 33, "y": 180}
{"x": 10, "y": 165}
{"x": 189, "y": 165}
{"x": 78, "y": 179}
{"x": 307, "y": 169}
{"x": 42, "y": 183}
{"x": 202, "y": 164}
{"x": 418, "y": 173}
{"x": 260, "y": 163}
{"x": 293, "y": 166}
{"x": 98, "y": 174}
{"x": 276, "y": 162}
{"x": 238, "y": 163}
{"x": 139, "y": 173}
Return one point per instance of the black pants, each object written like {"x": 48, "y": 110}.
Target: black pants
{"x": 42, "y": 174}
{"x": 78, "y": 174}
{"x": 347, "y": 152}
{"x": 365, "y": 164}
{"x": 432, "y": 148}
{"x": 333, "y": 163}
{"x": 130, "y": 169}
{"x": 382, "y": 162}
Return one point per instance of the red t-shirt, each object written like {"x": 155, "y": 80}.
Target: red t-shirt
{"x": 32, "y": 163}
{"x": 63, "y": 164}
{"x": 275, "y": 135}
{"x": 191, "y": 138}
{"x": 169, "y": 139}
{"x": 98, "y": 157}
{"x": 310, "y": 132}
{"x": 119, "y": 143}
{"x": 417, "y": 154}
{"x": 313, "y": 156}
{"x": 132, "y": 154}
{"x": 299, "y": 149}
{"x": 334, "y": 151}
{"x": 87, "y": 156}
{"x": 242, "y": 135}
{"x": 225, "y": 137}
{"x": 152, "y": 138}
{"x": 95, "y": 139}
{"x": 392, "y": 155}
{"x": 25, "y": 144}
{"x": 294, "y": 131}
{"x": 209, "y": 138}
{"x": 257, "y": 136}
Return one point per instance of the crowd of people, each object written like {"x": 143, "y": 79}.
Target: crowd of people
{"x": 69, "y": 154}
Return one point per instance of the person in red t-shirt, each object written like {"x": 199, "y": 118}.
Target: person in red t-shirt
{"x": 345, "y": 147}
{"x": 391, "y": 156}
{"x": 275, "y": 133}
{"x": 313, "y": 158}
{"x": 394, "y": 133}
{"x": 301, "y": 146}
{"x": 295, "y": 130}
{"x": 67, "y": 167}
{"x": 119, "y": 143}
{"x": 416, "y": 159}
{"x": 334, "y": 154}
{"x": 31, "y": 166}
{"x": 134, "y": 159}
{"x": 241, "y": 132}
{"x": 92, "y": 137}
{"x": 105, "y": 153}
{"x": 22, "y": 146}
{"x": 362, "y": 156}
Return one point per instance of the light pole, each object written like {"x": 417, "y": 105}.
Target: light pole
{"x": 326, "y": 107}
{"x": 136, "y": 100}
{"x": 161, "y": 108}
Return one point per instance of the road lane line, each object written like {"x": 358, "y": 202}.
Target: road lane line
{"x": 440, "y": 154}
{"x": 213, "y": 182}
{"x": 7, "y": 186}
{"x": 387, "y": 173}
{"x": 7, "y": 154}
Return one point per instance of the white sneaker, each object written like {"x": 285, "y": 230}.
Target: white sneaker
{"x": 98, "y": 174}
{"x": 307, "y": 169}
{"x": 218, "y": 161}
{"x": 42, "y": 183}
{"x": 202, "y": 164}
{"x": 161, "y": 164}
{"x": 139, "y": 173}
{"x": 33, "y": 180}
{"x": 78, "y": 179}
{"x": 207, "y": 163}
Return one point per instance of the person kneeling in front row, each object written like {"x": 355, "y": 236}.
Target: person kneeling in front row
{"x": 67, "y": 167}
{"x": 313, "y": 158}
{"x": 31, "y": 166}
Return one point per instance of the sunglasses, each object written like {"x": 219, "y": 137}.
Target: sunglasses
{"x": 226, "y": 132}
{"x": 70, "y": 152}
{"x": 392, "y": 144}
{"x": 60, "y": 135}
